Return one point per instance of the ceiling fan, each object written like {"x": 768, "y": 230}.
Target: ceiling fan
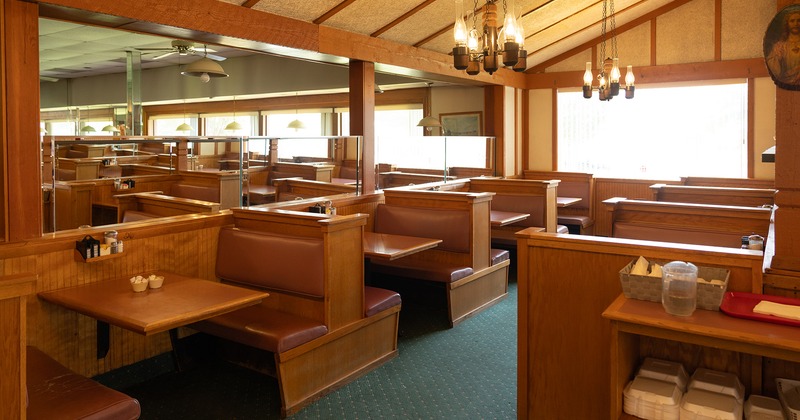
{"x": 183, "y": 48}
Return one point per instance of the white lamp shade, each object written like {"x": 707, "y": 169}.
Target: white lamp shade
{"x": 110, "y": 129}
{"x": 297, "y": 125}
{"x": 87, "y": 129}
{"x": 204, "y": 68}
{"x": 233, "y": 126}
{"x": 184, "y": 127}
{"x": 429, "y": 121}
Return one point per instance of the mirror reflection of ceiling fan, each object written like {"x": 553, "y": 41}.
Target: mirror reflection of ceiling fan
{"x": 183, "y": 48}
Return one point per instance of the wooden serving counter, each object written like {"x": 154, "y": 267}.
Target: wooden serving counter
{"x": 632, "y": 319}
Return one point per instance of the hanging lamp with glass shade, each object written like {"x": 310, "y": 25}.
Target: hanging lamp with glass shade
{"x": 87, "y": 129}
{"x": 296, "y": 124}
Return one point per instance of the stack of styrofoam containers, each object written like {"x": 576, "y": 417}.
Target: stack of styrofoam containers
{"x": 759, "y": 407}
{"x": 713, "y": 395}
{"x": 655, "y": 393}
{"x": 789, "y": 394}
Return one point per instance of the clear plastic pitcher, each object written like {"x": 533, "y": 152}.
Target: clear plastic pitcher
{"x": 679, "y": 288}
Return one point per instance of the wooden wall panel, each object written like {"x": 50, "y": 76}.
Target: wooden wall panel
{"x": 605, "y": 188}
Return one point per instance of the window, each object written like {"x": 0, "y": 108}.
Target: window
{"x": 166, "y": 126}
{"x": 663, "y": 133}
{"x": 215, "y": 124}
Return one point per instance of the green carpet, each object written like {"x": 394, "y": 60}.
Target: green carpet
{"x": 468, "y": 372}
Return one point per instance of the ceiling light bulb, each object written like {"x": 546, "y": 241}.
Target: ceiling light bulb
{"x": 629, "y": 78}
{"x": 587, "y": 75}
{"x": 205, "y": 78}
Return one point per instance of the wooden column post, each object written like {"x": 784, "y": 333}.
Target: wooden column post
{"x": 362, "y": 117}
{"x": 19, "y": 120}
{"x": 787, "y": 177}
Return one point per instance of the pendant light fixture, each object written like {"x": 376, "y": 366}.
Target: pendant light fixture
{"x": 608, "y": 79}
{"x": 110, "y": 129}
{"x": 296, "y": 124}
{"x": 489, "y": 47}
{"x": 429, "y": 122}
{"x": 88, "y": 129}
{"x": 233, "y": 125}
{"x": 204, "y": 68}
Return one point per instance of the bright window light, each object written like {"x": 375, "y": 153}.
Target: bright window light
{"x": 664, "y": 133}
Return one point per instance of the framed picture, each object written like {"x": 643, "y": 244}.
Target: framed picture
{"x": 462, "y": 124}
{"x": 782, "y": 48}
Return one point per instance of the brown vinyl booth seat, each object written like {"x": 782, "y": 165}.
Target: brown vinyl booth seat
{"x": 56, "y": 392}
{"x": 322, "y": 327}
{"x": 471, "y": 283}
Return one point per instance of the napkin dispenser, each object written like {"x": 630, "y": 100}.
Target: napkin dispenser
{"x": 88, "y": 247}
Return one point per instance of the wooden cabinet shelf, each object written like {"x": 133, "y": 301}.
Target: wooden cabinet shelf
{"x": 632, "y": 318}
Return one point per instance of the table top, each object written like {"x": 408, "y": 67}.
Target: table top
{"x": 567, "y": 201}
{"x": 390, "y": 247}
{"x": 180, "y": 301}
{"x": 502, "y": 218}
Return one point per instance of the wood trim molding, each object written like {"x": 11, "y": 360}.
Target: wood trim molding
{"x": 713, "y": 70}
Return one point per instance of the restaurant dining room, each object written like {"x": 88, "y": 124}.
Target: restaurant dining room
{"x": 412, "y": 209}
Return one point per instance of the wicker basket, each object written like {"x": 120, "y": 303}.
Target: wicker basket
{"x": 709, "y": 296}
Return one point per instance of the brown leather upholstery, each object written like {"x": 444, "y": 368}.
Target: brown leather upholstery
{"x": 423, "y": 270}
{"x": 55, "y": 392}
{"x": 195, "y": 192}
{"x": 530, "y": 204}
{"x": 377, "y": 300}
{"x": 277, "y": 262}
{"x": 263, "y": 328}
{"x": 499, "y": 255}
{"x": 426, "y": 223}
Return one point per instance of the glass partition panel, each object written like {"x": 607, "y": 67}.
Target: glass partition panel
{"x": 100, "y": 180}
{"x": 332, "y": 161}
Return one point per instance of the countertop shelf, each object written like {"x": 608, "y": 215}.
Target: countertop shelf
{"x": 79, "y": 257}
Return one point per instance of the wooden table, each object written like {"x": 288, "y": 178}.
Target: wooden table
{"x": 180, "y": 301}
{"x": 390, "y": 247}
{"x": 567, "y": 201}
{"x": 502, "y": 218}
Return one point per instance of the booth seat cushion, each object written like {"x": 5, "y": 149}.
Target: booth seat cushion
{"x": 278, "y": 262}
{"x": 499, "y": 255}
{"x": 55, "y": 392}
{"x": 377, "y": 300}
{"x": 422, "y": 270}
{"x": 451, "y": 226}
{"x": 263, "y": 328}
{"x": 569, "y": 219}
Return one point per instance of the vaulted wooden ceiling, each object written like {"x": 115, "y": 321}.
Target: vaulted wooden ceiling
{"x": 551, "y": 27}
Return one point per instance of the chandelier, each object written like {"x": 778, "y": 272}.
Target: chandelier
{"x": 608, "y": 80}
{"x": 491, "y": 46}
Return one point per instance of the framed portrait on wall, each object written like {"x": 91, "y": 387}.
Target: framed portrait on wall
{"x": 782, "y": 48}
{"x": 462, "y": 124}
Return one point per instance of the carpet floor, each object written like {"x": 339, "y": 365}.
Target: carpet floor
{"x": 467, "y": 372}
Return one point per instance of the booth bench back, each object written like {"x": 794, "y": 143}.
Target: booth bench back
{"x": 269, "y": 261}
{"x": 447, "y": 225}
